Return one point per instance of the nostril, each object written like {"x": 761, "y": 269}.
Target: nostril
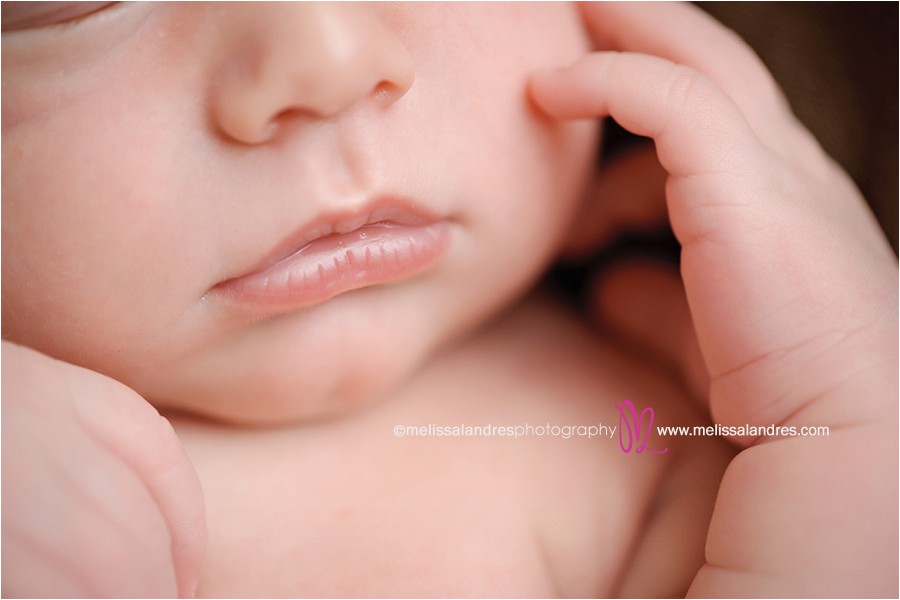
{"x": 383, "y": 88}
{"x": 285, "y": 120}
{"x": 386, "y": 93}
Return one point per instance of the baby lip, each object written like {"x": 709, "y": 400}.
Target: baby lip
{"x": 385, "y": 212}
{"x": 336, "y": 254}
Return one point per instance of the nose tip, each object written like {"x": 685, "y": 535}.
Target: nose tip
{"x": 342, "y": 70}
{"x": 318, "y": 63}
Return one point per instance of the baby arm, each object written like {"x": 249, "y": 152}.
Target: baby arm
{"x": 791, "y": 300}
{"x": 99, "y": 498}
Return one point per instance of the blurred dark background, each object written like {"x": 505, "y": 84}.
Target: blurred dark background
{"x": 837, "y": 62}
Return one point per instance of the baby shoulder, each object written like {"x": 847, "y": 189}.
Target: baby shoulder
{"x": 548, "y": 386}
{"x": 600, "y": 512}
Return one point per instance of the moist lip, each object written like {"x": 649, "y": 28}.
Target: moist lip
{"x": 337, "y": 253}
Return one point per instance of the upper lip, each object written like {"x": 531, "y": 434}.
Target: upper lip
{"x": 387, "y": 210}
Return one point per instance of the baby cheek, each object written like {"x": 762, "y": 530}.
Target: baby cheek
{"x": 539, "y": 166}
{"x": 87, "y": 234}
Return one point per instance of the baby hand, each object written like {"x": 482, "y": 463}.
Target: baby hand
{"x": 99, "y": 498}
{"x": 791, "y": 296}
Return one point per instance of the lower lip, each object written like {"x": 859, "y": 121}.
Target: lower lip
{"x": 374, "y": 254}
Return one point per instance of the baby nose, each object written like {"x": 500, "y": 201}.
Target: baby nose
{"x": 290, "y": 60}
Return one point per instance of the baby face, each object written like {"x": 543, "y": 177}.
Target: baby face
{"x": 276, "y": 211}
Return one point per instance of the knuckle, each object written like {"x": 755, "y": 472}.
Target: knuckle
{"x": 685, "y": 88}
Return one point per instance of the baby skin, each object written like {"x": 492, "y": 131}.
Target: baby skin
{"x": 346, "y": 508}
{"x": 292, "y": 228}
